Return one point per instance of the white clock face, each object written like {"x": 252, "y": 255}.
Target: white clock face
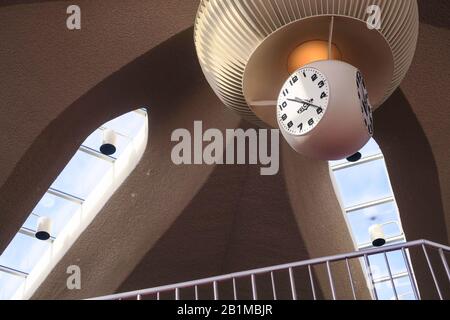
{"x": 303, "y": 101}
{"x": 366, "y": 108}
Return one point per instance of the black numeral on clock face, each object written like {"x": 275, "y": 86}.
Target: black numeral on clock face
{"x": 300, "y": 126}
{"x": 283, "y": 106}
{"x": 321, "y": 84}
{"x": 314, "y": 77}
{"x": 284, "y": 117}
{"x": 304, "y": 74}
{"x": 290, "y": 124}
{"x": 323, "y": 95}
{"x": 285, "y": 92}
{"x": 294, "y": 80}
{"x": 319, "y": 110}
{"x": 311, "y": 122}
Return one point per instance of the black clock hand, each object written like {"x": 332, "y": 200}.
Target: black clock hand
{"x": 303, "y": 102}
{"x": 295, "y": 100}
{"x": 306, "y": 102}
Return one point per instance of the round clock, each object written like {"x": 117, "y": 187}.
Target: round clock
{"x": 324, "y": 112}
{"x": 366, "y": 108}
{"x": 303, "y": 101}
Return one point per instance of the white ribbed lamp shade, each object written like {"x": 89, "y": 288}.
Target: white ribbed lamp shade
{"x": 243, "y": 46}
{"x": 108, "y": 146}
{"x": 44, "y": 228}
{"x": 377, "y": 235}
{"x": 346, "y": 125}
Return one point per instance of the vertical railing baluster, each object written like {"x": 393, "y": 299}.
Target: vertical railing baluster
{"x": 216, "y": 291}
{"x": 292, "y": 280}
{"x": 444, "y": 262}
{"x": 234, "y": 289}
{"x": 330, "y": 278}
{"x": 432, "y": 271}
{"x": 139, "y": 297}
{"x": 410, "y": 274}
{"x": 391, "y": 277}
{"x": 369, "y": 274}
{"x": 311, "y": 279}
{"x": 274, "y": 290}
{"x": 177, "y": 294}
{"x": 350, "y": 278}
{"x": 196, "y": 293}
{"x": 254, "y": 291}
{"x": 158, "y": 296}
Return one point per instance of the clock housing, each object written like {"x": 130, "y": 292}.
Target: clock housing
{"x": 303, "y": 101}
{"x": 340, "y": 130}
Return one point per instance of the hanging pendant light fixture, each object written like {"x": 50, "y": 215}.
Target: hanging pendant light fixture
{"x": 247, "y": 50}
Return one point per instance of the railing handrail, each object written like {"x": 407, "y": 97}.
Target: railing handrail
{"x": 241, "y": 274}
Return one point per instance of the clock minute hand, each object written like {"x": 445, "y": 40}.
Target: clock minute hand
{"x": 306, "y": 102}
{"x": 295, "y": 100}
{"x": 302, "y": 101}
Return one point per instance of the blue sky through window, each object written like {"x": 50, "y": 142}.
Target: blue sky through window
{"x": 9, "y": 284}
{"x": 363, "y": 183}
{"x": 58, "y": 209}
{"x": 367, "y": 197}
{"x": 64, "y": 200}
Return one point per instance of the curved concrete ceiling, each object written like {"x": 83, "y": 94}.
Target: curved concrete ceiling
{"x": 142, "y": 53}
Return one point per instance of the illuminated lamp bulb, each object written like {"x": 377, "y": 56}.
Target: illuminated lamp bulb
{"x": 108, "y": 146}
{"x": 44, "y": 228}
{"x": 311, "y": 51}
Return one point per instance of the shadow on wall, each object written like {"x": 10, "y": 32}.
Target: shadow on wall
{"x": 435, "y": 13}
{"x": 250, "y": 225}
{"x": 415, "y": 182}
{"x": 432, "y": 12}
{"x": 107, "y": 100}
{"x": 412, "y": 170}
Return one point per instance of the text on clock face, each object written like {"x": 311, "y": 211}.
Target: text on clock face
{"x": 303, "y": 101}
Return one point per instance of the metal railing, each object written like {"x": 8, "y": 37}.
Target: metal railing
{"x": 423, "y": 245}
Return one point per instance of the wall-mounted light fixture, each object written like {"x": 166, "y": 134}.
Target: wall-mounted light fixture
{"x": 108, "y": 146}
{"x": 355, "y": 158}
{"x": 377, "y": 235}
{"x": 44, "y": 228}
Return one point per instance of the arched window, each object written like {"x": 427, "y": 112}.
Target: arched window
{"x": 368, "y": 203}
{"x": 72, "y": 202}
